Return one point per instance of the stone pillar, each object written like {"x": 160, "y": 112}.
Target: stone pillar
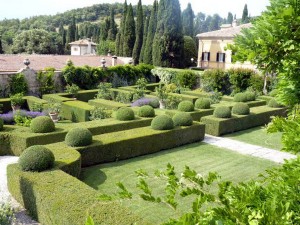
{"x": 114, "y": 60}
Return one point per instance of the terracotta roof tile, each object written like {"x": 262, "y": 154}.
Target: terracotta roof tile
{"x": 82, "y": 42}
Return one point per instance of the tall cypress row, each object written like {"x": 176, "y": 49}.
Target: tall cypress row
{"x": 245, "y": 17}
{"x": 129, "y": 33}
{"x": 168, "y": 39}
{"x": 139, "y": 32}
{"x": 146, "y": 24}
{"x": 72, "y": 30}
{"x": 188, "y": 21}
{"x": 122, "y": 26}
{"x": 1, "y": 48}
{"x": 112, "y": 32}
{"x": 118, "y": 44}
{"x": 147, "y": 58}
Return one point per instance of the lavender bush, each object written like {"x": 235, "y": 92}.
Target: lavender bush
{"x": 146, "y": 101}
{"x": 8, "y": 118}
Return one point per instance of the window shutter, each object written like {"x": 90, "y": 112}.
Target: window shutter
{"x": 217, "y": 59}
{"x": 202, "y": 57}
{"x": 208, "y": 56}
{"x": 224, "y": 57}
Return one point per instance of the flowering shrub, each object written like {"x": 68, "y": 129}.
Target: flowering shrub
{"x": 143, "y": 101}
{"x": 9, "y": 118}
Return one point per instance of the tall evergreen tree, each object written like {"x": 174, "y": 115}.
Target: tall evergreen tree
{"x": 199, "y": 23}
{"x": 62, "y": 33}
{"x": 147, "y": 58}
{"x": 129, "y": 33}
{"x": 76, "y": 34}
{"x": 229, "y": 18}
{"x": 188, "y": 21}
{"x": 146, "y": 24}
{"x": 118, "y": 49}
{"x": 122, "y": 26}
{"x": 1, "y": 49}
{"x": 112, "y": 32}
{"x": 72, "y": 30}
{"x": 215, "y": 23}
{"x": 139, "y": 32}
{"x": 104, "y": 29}
{"x": 168, "y": 39}
{"x": 245, "y": 16}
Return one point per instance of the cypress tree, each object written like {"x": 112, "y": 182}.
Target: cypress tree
{"x": 72, "y": 30}
{"x": 129, "y": 33}
{"x": 147, "y": 58}
{"x": 168, "y": 39}
{"x": 188, "y": 21}
{"x": 118, "y": 44}
{"x": 139, "y": 34}
{"x": 62, "y": 33}
{"x": 1, "y": 49}
{"x": 76, "y": 33}
{"x": 122, "y": 26}
{"x": 104, "y": 29}
{"x": 112, "y": 32}
{"x": 245, "y": 17}
{"x": 146, "y": 24}
{"x": 229, "y": 18}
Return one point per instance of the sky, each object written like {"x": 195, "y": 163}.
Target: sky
{"x": 26, "y": 8}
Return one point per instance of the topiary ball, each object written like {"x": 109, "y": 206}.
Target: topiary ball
{"x": 146, "y": 111}
{"x": 186, "y": 106}
{"x": 202, "y": 103}
{"x": 125, "y": 114}
{"x": 1, "y": 124}
{"x": 182, "y": 119}
{"x": 154, "y": 103}
{"x": 79, "y": 137}
{"x": 240, "y": 97}
{"x": 36, "y": 158}
{"x": 162, "y": 122}
{"x": 222, "y": 112}
{"x": 241, "y": 108}
{"x": 250, "y": 96}
{"x": 42, "y": 124}
{"x": 274, "y": 104}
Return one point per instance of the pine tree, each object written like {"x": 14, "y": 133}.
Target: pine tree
{"x": 146, "y": 24}
{"x": 229, "y": 18}
{"x": 122, "y": 26}
{"x": 245, "y": 17}
{"x": 139, "y": 34}
{"x": 168, "y": 39}
{"x": 188, "y": 21}
{"x": 112, "y": 32}
{"x": 129, "y": 33}
{"x": 147, "y": 58}
{"x": 1, "y": 49}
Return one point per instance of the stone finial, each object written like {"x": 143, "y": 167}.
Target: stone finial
{"x": 130, "y": 62}
{"x": 26, "y": 62}
{"x": 103, "y": 62}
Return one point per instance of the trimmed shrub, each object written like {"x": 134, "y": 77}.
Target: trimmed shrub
{"x": 222, "y": 112}
{"x": 240, "y": 97}
{"x": 162, "y": 122}
{"x": 182, "y": 119}
{"x": 146, "y": 111}
{"x": 250, "y": 96}
{"x": 241, "y": 108}
{"x": 79, "y": 137}
{"x": 36, "y": 158}
{"x": 274, "y": 104}
{"x": 42, "y": 124}
{"x": 202, "y": 103}
{"x": 125, "y": 114}
{"x": 186, "y": 106}
{"x": 273, "y": 93}
{"x": 154, "y": 103}
{"x": 1, "y": 124}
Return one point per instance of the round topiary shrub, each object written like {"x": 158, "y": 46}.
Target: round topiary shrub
{"x": 273, "y": 93}
{"x": 162, "y": 122}
{"x": 1, "y": 124}
{"x": 202, "y": 103}
{"x": 146, "y": 111}
{"x": 240, "y": 97}
{"x": 36, "y": 158}
{"x": 241, "y": 108}
{"x": 182, "y": 119}
{"x": 42, "y": 124}
{"x": 250, "y": 96}
{"x": 222, "y": 112}
{"x": 186, "y": 106}
{"x": 154, "y": 103}
{"x": 274, "y": 104}
{"x": 124, "y": 114}
{"x": 79, "y": 137}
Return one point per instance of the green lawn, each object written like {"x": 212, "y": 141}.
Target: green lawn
{"x": 199, "y": 156}
{"x": 258, "y": 136}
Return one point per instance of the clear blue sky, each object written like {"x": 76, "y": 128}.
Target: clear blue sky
{"x": 27, "y": 8}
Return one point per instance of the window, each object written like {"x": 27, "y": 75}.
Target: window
{"x": 220, "y": 57}
{"x": 75, "y": 49}
{"x": 205, "y": 56}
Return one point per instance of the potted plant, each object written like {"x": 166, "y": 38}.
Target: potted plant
{"x": 16, "y": 101}
{"x": 53, "y": 110}
{"x": 73, "y": 90}
{"x": 162, "y": 95}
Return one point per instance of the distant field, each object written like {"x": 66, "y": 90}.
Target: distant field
{"x": 199, "y": 156}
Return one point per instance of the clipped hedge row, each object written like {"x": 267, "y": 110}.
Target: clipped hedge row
{"x": 135, "y": 142}
{"x": 196, "y": 115}
{"x": 76, "y": 111}
{"x": 258, "y": 116}
{"x": 32, "y": 100}
{"x": 107, "y": 104}
{"x": 59, "y": 97}
{"x": 54, "y": 197}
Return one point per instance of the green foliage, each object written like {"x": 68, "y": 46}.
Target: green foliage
{"x": 202, "y": 103}
{"x": 124, "y": 97}
{"x": 46, "y": 81}
{"x": 146, "y": 111}
{"x": 274, "y": 104}
{"x": 241, "y": 108}
{"x": 222, "y": 112}
{"x": 18, "y": 84}
{"x": 105, "y": 46}
{"x": 139, "y": 34}
{"x": 72, "y": 89}
{"x": 162, "y": 122}
{"x": 36, "y": 158}
{"x": 129, "y": 33}
{"x": 187, "y": 79}
{"x": 99, "y": 113}
{"x": 140, "y": 89}
{"x": 244, "y": 97}
{"x": 182, "y": 119}
{"x": 79, "y": 136}
{"x": 188, "y": 21}
{"x": 216, "y": 79}
{"x": 273, "y": 93}
{"x": 161, "y": 92}
{"x": 154, "y": 103}
{"x": 190, "y": 51}
{"x": 17, "y": 99}
{"x": 6, "y": 214}
{"x": 173, "y": 101}
{"x": 245, "y": 16}
{"x": 42, "y": 124}
{"x": 1, "y": 124}
{"x": 103, "y": 91}
{"x": 186, "y": 106}
{"x": 125, "y": 114}
{"x": 22, "y": 120}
